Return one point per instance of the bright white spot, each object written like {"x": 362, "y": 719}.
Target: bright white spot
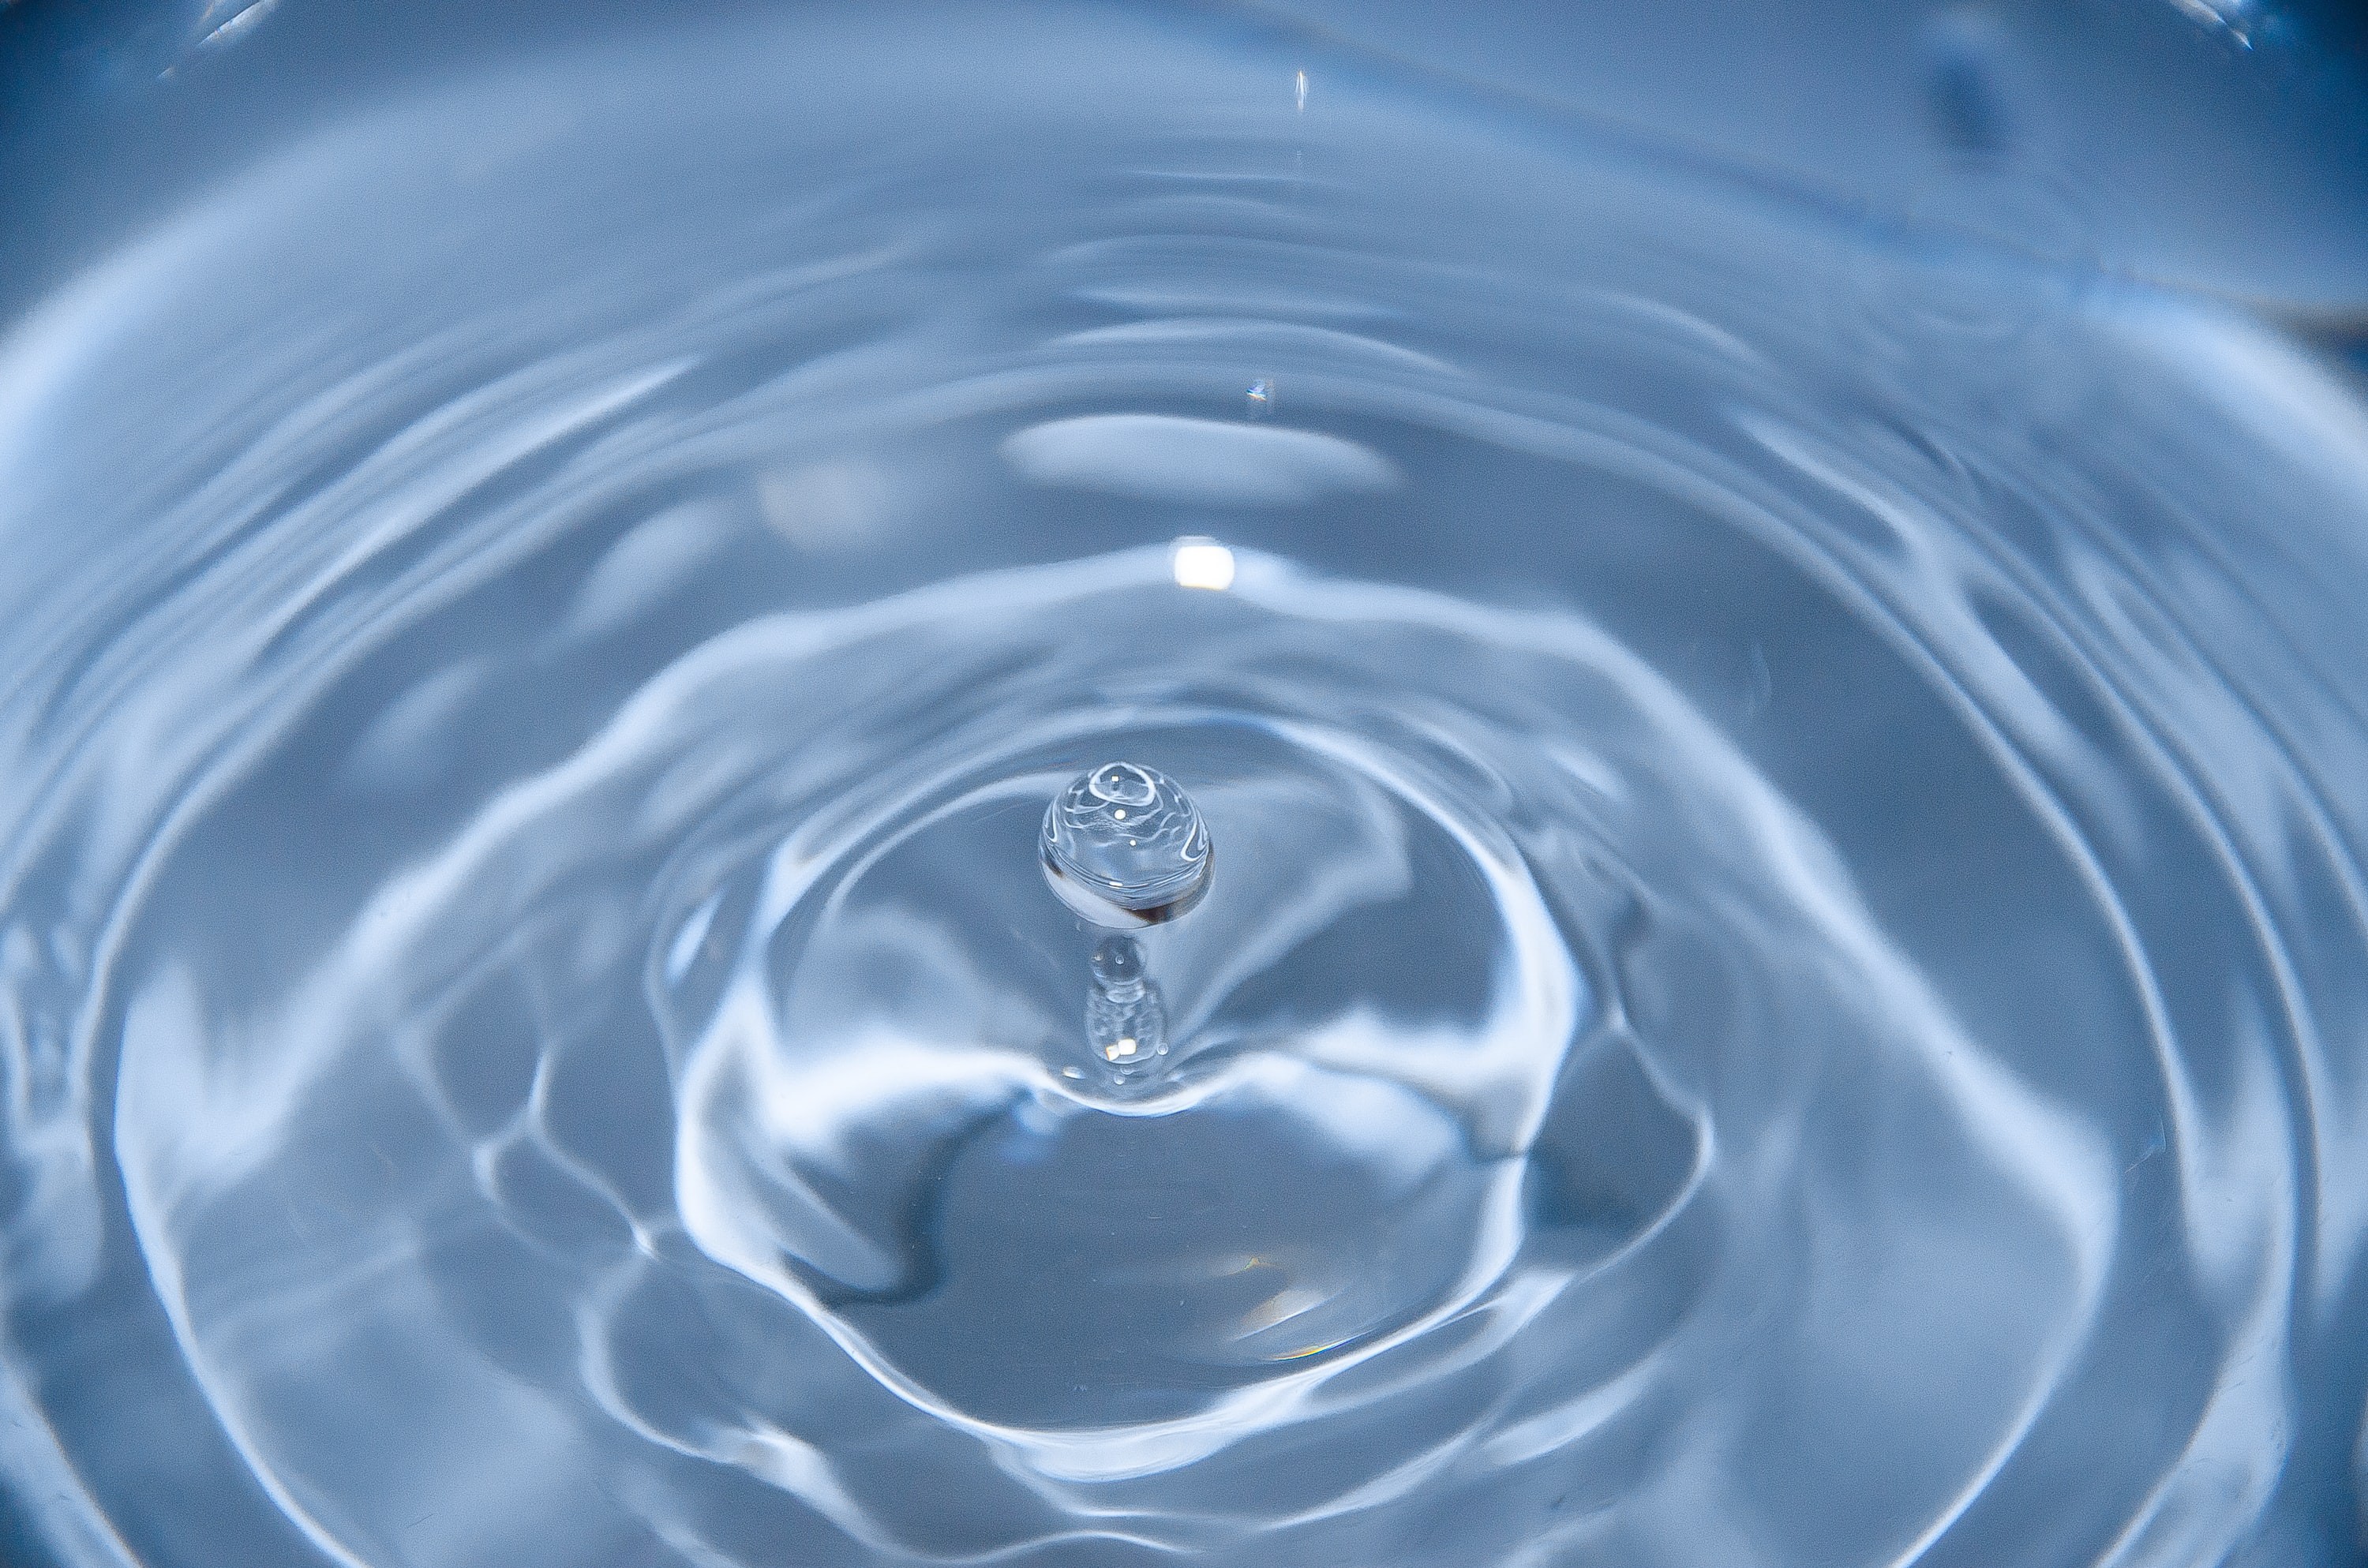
{"x": 1118, "y": 1050}
{"x": 1203, "y": 563}
{"x": 1303, "y": 92}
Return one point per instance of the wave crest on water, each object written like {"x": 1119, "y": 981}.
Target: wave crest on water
{"x": 1783, "y": 978}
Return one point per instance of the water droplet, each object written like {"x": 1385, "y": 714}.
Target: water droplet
{"x": 1124, "y": 847}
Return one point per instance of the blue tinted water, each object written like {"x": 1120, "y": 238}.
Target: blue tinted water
{"x": 1783, "y": 981}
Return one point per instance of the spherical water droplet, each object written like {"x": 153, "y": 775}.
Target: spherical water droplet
{"x": 1124, "y": 847}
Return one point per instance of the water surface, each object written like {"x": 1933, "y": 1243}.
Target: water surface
{"x": 1783, "y": 981}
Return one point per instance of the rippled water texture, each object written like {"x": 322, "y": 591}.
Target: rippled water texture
{"x": 1783, "y": 980}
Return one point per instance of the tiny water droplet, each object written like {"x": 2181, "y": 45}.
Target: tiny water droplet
{"x": 1124, "y": 847}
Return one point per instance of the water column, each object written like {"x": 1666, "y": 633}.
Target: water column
{"x": 1126, "y": 848}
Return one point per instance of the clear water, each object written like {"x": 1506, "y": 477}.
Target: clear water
{"x": 1784, "y": 982}
{"x": 1124, "y": 846}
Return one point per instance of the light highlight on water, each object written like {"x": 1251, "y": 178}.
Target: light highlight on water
{"x": 1201, "y": 563}
{"x": 1788, "y": 970}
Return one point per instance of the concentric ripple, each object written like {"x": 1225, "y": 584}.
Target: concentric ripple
{"x": 1785, "y": 982}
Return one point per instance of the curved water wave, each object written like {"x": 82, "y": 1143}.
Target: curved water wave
{"x": 1784, "y": 972}
{"x": 1163, "y": 457}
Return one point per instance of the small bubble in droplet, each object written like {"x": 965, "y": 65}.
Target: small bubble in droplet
{"x": 1118, "y": 962}
{"x": 1124, "y": 847}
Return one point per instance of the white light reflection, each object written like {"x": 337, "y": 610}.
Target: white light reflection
{"x": 1201, "y": 563}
